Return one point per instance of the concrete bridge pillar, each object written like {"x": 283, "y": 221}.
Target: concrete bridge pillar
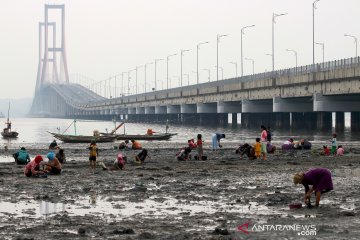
{"x": 150, "y": 110}
{"x": 257, "y": 106}
{"x": 255, "y": 120}
{"x": 131, "y": 110}
{"x": 324, "y": 120}
{"x": 140, "y": 110}
{"x": 355, "y": 121}
{"x": 234, "y": 119}
{"x": 160, "y": 110}
{"x": 339, "y": 120}
{"x": 206, "y": 107}
{"x": 229, "y": 107}
{"x": 189, "y": 114}
{"x": 173, "y": 109}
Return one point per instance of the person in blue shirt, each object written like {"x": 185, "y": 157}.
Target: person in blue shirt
{"x": 22, "y": 157}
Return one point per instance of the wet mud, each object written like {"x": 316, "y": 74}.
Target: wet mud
{"x": 221, "y": 198}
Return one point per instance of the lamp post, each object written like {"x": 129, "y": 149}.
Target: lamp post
{"x": 323, "y": 50}
{"x": 122, "y": 83}
{"x": 197, "y": 60}
{"x": 273, "y": 43}
{"x": 181, "y": 66}
{"x": 129, "y": 77}
{"x": 241, "y": 43}
{"x": 218, "y": 37}
{"x": 145, "y": 75}
{"x": 188, "y": 77}
{"x": 222, "y": 71}
{"x": 253, "y": 63}
{"x": 355, "y": 40}
{"x": 236, "y": 68}
{"x": 156, "y": 60}
{"x": 167, "y": 69}
{"x": 313, "y": 8}
{"x": 208, "y": 70}
{"x": 295, "y": 53}
{"x": 136, "y": 81}
{"x": 268, "y": 54}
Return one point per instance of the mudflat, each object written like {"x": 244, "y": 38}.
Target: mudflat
{"x": 224, "y": 197}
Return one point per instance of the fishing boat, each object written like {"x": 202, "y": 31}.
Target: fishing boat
{"x": 7, "y": 133}
{"x": 68, "y": 138}
{"x": 81, "y": 138}
{"x": 158, "y": 137}
{"x": 147, "y": 137}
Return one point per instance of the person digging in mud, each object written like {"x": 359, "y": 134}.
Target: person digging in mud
{"x": 321, "y": 181}
{"x": 184, "y": 154}
{"x": 140, "y": 158}
{"x": 93, "y": 154}
{"x": 22, "y": 157}
{"x": 135, "y": 145}
{"x": 53, "y": 166}
{"x": 215, "y": 139}
{"x": 32, "y": 169}
{"x": 119, "y": 163}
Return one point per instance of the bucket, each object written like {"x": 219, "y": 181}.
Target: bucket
{"x": 295, "y": 205}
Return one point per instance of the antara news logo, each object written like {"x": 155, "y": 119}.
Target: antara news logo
{"x": 300, "y": 229}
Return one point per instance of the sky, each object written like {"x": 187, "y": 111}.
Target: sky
{"x": 108, "y": 37}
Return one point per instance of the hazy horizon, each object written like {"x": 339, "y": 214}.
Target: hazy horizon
{"x": 105, "y": 38}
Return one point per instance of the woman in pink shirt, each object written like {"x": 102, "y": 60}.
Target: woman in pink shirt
{"x": 33, "y": 167}
{"x": 263, "y": 139}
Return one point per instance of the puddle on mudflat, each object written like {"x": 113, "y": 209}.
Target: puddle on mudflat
{"x": 123, "y": 209}
{"x": 4, "y": 158}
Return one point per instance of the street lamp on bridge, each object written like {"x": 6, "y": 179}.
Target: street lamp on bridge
{"x": 253, "y": 63}
{"x": 156, "y": 61}
{"x": 218, "y": 37}
{"x": 197, "y": 60}
{"x": 323, "y": 50}
{"x": 236, "y": 68}
{"x": 181, "y": 65}
{"x": 313, "y": 8}
{"x": 208, "y": 70}
{"x": 145, "y": 75}
{"x": 274, "y": 16}
{"x": 222, "y": 71}
{"x": 136, "y": 79}
{"x": 295, "y": 54}
{"x": 355, "y": 40}
{"x": 241, "y": 43}
{"x": 167, "y": 69}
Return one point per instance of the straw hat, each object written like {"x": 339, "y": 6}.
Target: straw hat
{"x": 298, "y": 177}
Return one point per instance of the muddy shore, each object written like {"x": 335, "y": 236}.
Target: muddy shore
{"x": 167, "y": 199}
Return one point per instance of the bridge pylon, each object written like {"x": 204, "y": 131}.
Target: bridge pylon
{"x": 52, "y": 66}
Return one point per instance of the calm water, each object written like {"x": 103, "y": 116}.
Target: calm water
{"x": 33, "y": 133}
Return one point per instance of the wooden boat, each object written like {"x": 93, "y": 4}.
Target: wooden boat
{"x": 157, "y": 137}
{"x": 82, "y": 139}
{"x": 7, "y": 133}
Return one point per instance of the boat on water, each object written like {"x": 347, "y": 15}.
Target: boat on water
{"x": 81, "y": 138}
{"x": 158, "y": 137}
{"x": 150, "y": 136}
{"x": 7, "y": 133}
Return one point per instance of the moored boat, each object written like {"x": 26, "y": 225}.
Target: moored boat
{"x": 158, "y": 137}
{"x": 82, "y": 139}
{"x": 7, "y": 133}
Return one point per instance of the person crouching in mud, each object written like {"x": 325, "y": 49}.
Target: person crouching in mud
{"x": 140, "y": 158}
{"x": 215, "y": 139}
{"x": 119, "y": 163}
{"x": 321, "y": 181}
{"x": 33, "y": 168}
{"x": 53, "y": 166}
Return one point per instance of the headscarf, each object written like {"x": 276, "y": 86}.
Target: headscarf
{"x": 38, "y": 159}
{"x": 50, "y": 156}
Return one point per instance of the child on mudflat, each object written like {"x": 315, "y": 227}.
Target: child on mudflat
{"x": 326, "y": 150}
{"x": 333, "y": 144}
{"x": 257, "y": 148}
{"x": 93, "y": 154}
{"x": 340, "y": 151}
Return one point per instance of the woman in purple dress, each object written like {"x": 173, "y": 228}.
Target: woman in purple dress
{"x": 319, "y": 179}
